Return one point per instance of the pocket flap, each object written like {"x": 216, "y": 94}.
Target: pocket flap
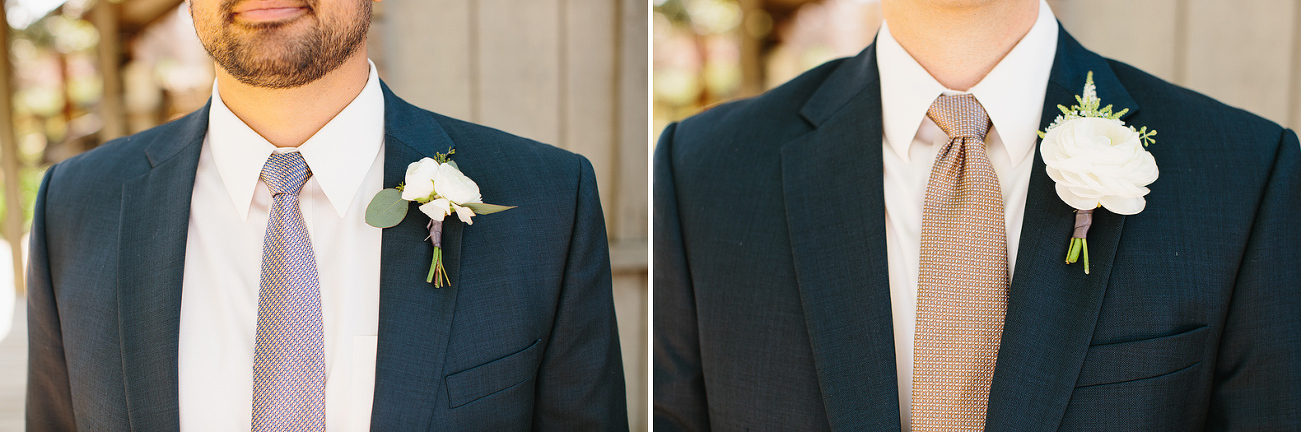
{"x": 474, "y": 383}
{"x": 1128, "y": 361}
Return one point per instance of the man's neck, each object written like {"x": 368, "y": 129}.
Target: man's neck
{"x": 959, "y": 44}
{"x": 288, "y": 117}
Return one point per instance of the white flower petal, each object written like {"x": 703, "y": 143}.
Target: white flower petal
{"x": 1077, "y": 202}
{"x": 437, "y": 209}
{"x": 464, "y": 213}
{"x": 1124, "y": 206}
{"x": 417, "y": 189}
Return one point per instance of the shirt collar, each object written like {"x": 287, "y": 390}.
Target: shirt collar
{"x": 1012, "y": 93}
{"x": 339, "y": 154}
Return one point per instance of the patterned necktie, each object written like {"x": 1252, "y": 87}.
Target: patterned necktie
{"x": 963, "y": 281}
{"x": 289, "y": 361}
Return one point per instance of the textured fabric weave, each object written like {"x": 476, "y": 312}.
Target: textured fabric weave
{"x": 289, "y": 360}
{"x": 963, "y": 279}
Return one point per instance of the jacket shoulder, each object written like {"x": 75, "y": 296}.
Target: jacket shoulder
{"x": 498, "y": 157}
{"x": 1170, "y": 103}
{"x": 509, "y": 155}
{"x": 1197, "y": 134}
{"x": 775, "y": 111}
{"x": 501, "y": 144}
{"x": 117, "y": 160}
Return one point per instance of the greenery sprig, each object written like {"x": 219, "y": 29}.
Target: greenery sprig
{"x": 1088, "y": 105}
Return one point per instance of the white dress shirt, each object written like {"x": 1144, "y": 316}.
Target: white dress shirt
{"x": 1013, "y": 95}
{"x": 223, "y": 263}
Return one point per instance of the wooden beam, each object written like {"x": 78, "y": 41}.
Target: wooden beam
{"x": 138, "y": 14}
{"x": 111, "y": 109}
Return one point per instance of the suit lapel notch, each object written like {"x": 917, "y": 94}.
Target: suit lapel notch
{"x": 832, "y": 184}
{"x": 1053, "y": 307}
{"x": 154, "y": 226}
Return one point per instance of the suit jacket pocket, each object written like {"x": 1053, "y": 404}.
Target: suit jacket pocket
{"x": 1133, "y": 360}
{"x": 477, "y": 382}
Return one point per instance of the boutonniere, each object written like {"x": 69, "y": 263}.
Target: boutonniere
{"x": 440, "y": 188}
{"x": 1097, "y": 161}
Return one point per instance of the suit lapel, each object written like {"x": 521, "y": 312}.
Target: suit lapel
{"x": 414, "y": 318}
{"x": 1052, "y": 307}
{"x": 154, "y": 223}
{"x": 835, "y": 211}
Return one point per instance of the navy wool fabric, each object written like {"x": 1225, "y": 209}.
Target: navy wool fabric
{"x": 772, "y": 300}
{"x": 523, "y": 339}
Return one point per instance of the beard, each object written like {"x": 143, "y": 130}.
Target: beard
{"x": 284, "y": 54}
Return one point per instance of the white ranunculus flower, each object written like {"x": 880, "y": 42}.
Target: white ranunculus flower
{"x": 456, "y": 187}
{"x": 419, "y": 182}
{"x": 436, "y": 209}
{"x": 1099, "y": 162}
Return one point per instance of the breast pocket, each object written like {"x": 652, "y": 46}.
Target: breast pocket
{"x": 483, "y": 380}
{"x": 1147, "y": 358}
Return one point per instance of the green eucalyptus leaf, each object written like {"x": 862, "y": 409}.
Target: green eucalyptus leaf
{"x": 386, "y": 209}
{"x": 453, "y": 164}
{"x": 483, "y": 209}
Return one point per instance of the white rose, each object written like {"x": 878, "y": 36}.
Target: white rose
{"x": 419, "y": 182}
{"x": 436, "y": 209}
{"x": 456, "y": 187}
{"x": 1099, "y": 162}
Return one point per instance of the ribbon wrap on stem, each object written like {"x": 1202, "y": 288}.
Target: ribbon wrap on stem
{"x": 1083, "y": 220}
{"x": 1079, "y": 239}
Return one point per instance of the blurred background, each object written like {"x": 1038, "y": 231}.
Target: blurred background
{"x": 571, "y": 73}
{"x": 1246, "y": 53}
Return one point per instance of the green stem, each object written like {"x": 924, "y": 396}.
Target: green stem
{"x": 435, "y": 264}
{"x": 1085, "y": 242}
{"x": 1073, "y": 252}
{"x": 438, "y": 274}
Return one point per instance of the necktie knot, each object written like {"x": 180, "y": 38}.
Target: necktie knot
{"x": 960, "y": 116}
{"x": 285, "y": 173}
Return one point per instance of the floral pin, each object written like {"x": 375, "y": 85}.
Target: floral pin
{"x": 1097, "y": 161}
{"x": 440, "y": 188}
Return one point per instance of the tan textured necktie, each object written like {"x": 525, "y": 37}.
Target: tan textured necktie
{"x": 962, "y": 283}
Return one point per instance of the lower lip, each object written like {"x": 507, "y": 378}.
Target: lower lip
{"x": 277, "y": 14}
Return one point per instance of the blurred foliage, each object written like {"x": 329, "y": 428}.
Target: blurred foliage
{"x": 57, "y": 87}
{"x": 696, "y": 57}
{"x": 710, "y": 51}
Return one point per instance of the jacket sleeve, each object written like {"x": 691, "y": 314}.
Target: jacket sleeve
{"x": 679, "y": 394}
{"x": 49, "y": 397}
{"x": 580, "y": 383}
{"x": 1258, "y": 370}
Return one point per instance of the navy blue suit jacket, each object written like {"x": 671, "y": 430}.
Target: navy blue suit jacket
{"x": 772, "y": 303}
{"x": 524, "y": 338}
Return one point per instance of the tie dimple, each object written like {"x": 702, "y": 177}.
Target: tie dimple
{"x": 289, "y": 358}
{"x": 962, "y": 281}
{"x": 960, "y": 116}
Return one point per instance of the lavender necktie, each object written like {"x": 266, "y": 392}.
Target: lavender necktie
{"x": 289, "y": 361}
